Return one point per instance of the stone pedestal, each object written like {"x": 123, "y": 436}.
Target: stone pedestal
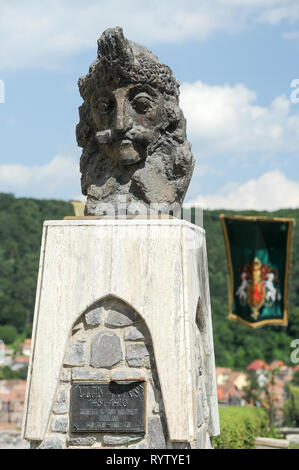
{"x": 125, "y": 304}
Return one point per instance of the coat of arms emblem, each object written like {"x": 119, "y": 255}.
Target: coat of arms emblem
{"x": 259, "y": 286}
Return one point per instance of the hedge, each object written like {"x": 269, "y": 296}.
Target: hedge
{"x": 8, "y": 333}
{"x": 239, "y": 426}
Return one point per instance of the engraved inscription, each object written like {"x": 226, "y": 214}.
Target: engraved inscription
{"x": 107, "y": 407}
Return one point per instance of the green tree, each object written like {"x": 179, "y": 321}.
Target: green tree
{"x": 263, "y": 395}
{"x": 6, "y": 373}
{"x": 270, "y": 400}
{"x": 21, "y": 223}
{"x": 291, "y": 406}
{"x": 295, "y": 379}
{"x": 252, "y": 389}
{"x": 8, "y": 334}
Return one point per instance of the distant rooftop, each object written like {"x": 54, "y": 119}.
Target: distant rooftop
{"x": 258, "y": 364}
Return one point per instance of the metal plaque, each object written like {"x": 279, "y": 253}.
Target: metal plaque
{"x": 113, "y": 407}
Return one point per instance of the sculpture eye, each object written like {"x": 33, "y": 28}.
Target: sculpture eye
{"x": 105, "y": 105}
{"x": 142, "y": 103}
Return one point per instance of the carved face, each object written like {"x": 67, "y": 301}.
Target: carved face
{"x": 125, "y": 119}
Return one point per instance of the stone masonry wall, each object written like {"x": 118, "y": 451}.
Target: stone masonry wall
{"x": 110, "y": 342}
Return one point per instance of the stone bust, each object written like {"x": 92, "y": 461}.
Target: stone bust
{"x": 132, "y": 131}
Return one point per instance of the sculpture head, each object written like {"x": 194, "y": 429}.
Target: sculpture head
{"x": 131, "y": 128}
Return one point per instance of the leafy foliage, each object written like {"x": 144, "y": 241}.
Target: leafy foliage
{"x": 263, "y": 395}
{"x": 252, "y": 389}
{"x": 236, "y": 345}
{"x": 295, "y": 379}
{"x": 291, "y": 406}
{"x": 21, "y": 223}
{"x": 239, "y": 426}
{"x": 8, "y": 334}
{"x": 6, "y": 373}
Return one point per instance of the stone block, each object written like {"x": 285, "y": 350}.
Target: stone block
{"x": 271, "y": 443}
{"x": 286, "y": 430}
{"x": 106, "y": 349}
{"x": 141, "y": 445}
{"x": 126, "y": 374}
{"x": 156, "y": 434}
{"x": 293, "y": 438}
{"x": 133, "y": 334}
{"x": 65, "y": 375}
{"x": 53, "y": 443}
{"x": 79, "y": 373}
{"x": 61, "y": 405}
{"x": 94, "y": 317}
{"x": 113, "y": 440}
{"x": 136, "y": 354}
{"x": 77, "y": 353}
{"x": 60, "y": 424}
{"x": 118, "y": 319}
{"x": 82, "y": 441}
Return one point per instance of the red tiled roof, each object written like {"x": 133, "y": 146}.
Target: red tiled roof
{"x": 21, "y": 360}
{"x": 258, "y": 364}
{"x": 11, "y": 383}
{"x": 27, "y": 344}
{"x": 228, "y": 390}
{"x": 275, "y": 364}
{"x": 223, "y": 370}
{"x": 7, "y": 426}
{"x": 11, "y": 390}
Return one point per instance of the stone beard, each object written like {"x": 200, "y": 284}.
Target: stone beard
{"x": 132, "y": 131}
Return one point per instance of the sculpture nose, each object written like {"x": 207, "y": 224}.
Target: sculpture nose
{"x": 123, "y": 120}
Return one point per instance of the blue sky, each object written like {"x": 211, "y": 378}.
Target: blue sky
{"x": 235, "y": 60}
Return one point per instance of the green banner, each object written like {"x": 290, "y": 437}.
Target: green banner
{"x": 258, "y": 255}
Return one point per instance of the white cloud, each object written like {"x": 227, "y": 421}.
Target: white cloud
{"x": 35, "y": 33}
{"x": 291, "y": 35}
{"x": 225, "y": 120}
{"x": 60, "y": 178}
{"x": 271, "y": 191}
{"x": 278, "y": 11}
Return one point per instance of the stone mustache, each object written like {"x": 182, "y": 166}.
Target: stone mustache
{"x": 132, "y": 131}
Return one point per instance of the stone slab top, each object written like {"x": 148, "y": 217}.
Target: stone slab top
{"x": 131, "y": 221}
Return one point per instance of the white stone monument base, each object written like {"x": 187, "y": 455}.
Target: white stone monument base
{"x": 124, "y": 301}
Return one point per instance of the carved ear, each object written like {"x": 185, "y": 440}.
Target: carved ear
{"x": 84, "y": 128}
{"x": 113, "y": 47}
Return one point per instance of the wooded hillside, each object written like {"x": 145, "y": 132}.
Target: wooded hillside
{"x": 235, "y": 344}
